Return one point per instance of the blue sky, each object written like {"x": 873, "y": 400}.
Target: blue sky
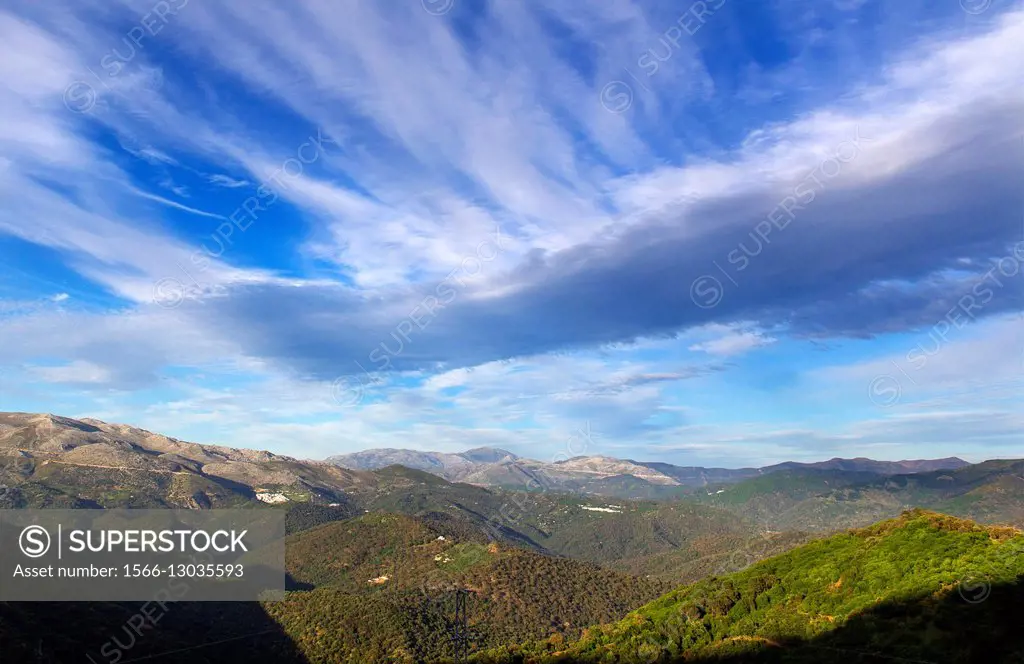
{"x": 719, "y": 233}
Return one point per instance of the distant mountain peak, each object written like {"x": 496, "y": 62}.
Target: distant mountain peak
{"x": 488, "y": 455}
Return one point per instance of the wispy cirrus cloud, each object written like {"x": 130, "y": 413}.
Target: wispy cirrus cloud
{"x": 222, "y": 180}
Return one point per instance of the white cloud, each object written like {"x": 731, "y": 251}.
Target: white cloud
{"x": 733, "y": 341}
{"x": 74, "y": 372}
{"x": 222, "y": 180}
{"x": 986, "y": 353}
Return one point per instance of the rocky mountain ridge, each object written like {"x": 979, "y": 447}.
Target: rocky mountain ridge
{"x": 50, "y": 460}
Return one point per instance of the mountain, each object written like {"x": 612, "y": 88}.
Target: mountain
{"x": 923, "y": 587}
{"x": 52, "y": 461}
{"x": 813, "y": 499}
{"x": 448, "y": 466}
{"x": 602, "y": 466}
{"x": 606, "y": 476}
{"x": 698, "y": 476}
{"x": 862, "y": 465}
{"x": 452, "y": 467}
{"x": 499, "y": 468}
{"x": 487, "y": 455}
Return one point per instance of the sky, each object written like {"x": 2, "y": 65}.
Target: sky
{"x": 721, "y": 233}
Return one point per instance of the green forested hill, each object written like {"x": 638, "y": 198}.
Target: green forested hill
{"x": 400, "y": 560}
{"x": 816, "y": 500}
{"x": 681, "y": 540}
{"x": 923, "y": 587}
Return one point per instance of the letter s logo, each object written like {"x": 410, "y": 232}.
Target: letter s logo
{"x": 34, "y": 541}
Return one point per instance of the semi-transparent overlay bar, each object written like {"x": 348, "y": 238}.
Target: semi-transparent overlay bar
{"x": 141, "y": 555}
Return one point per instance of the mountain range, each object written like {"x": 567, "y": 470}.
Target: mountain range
{"x": 602, "y": 475}
{"x": 730, "y": 563}
{"x": 588, "y": 508}
{"x": 52, "y": 461}
{"x": 49, "y": 460}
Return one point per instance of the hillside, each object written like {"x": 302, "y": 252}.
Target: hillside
{"x": 815, "y": 499}
{"x": 519, "y": 594}
{"x": 52, "y": 461}
{"x": 921, "y": 587}
{"x": 678, "y": 538}
{"x": 861, "y": 464}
